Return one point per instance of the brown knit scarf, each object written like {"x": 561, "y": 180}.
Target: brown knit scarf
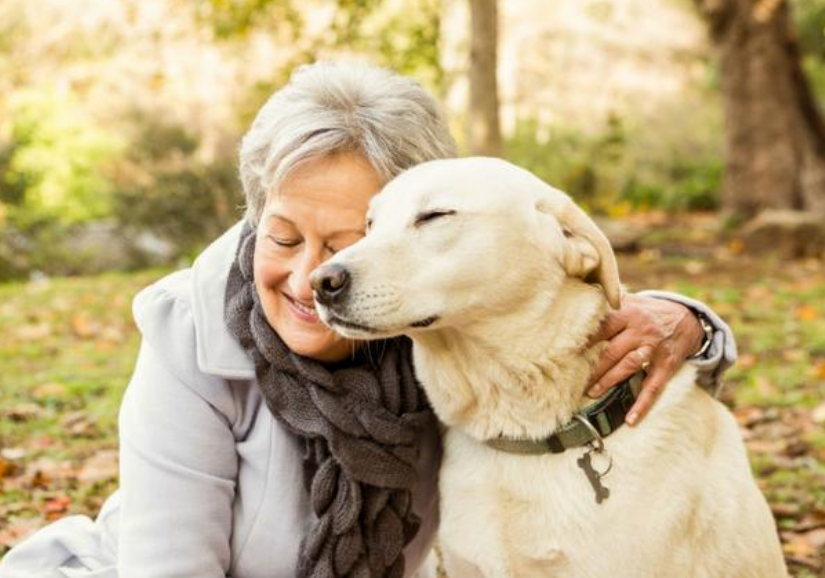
{"x": 360, "y": 424}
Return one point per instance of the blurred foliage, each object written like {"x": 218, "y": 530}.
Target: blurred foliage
{"x": 614, "y": 172}
{"x": 402, "y": 39}
{"x": 70, "y": 156}
{"x": 53, "y": 167}
{"x": 407, "y": 42}
{"x": 809, "y": 16}
{"x": 231, "y": 18}
{"x": 163, "y": 186}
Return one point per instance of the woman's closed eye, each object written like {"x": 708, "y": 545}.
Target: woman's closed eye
{"x": 286, "y": 242}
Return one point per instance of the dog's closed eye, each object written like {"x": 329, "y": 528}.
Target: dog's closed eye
{"x": 427, "y": 216}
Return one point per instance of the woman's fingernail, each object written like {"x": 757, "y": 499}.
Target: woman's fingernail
{"x": 595, "y": 390}
{"x": 632, "y": 417}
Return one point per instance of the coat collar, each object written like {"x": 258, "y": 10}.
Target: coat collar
{"x": 218, "y": 351}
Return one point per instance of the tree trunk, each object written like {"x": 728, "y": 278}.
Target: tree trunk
{"x": 484, "y": 133}
{"x": 775, "y": 135}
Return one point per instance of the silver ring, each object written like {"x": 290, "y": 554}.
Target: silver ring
{"x": 597, "y": 438}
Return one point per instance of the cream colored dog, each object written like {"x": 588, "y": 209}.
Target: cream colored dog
{"x": 499, "y": 279}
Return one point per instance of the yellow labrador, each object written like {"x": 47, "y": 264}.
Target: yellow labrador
{"x": 499, "y": 279}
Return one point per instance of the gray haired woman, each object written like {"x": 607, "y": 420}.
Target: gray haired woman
{"x": 255, "y": 442}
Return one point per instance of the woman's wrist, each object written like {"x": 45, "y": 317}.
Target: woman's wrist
{"x": 705, "y": 335}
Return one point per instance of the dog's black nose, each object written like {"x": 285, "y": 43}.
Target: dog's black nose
{"x": 329, "y": 282}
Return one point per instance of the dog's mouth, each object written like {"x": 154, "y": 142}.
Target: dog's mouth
{"x": 337, "y": 322}
{"x": 355, "y": 330}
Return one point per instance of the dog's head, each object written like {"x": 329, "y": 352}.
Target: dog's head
{"x": 452, "y": 241}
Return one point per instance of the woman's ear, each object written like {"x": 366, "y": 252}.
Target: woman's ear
{"x": 587, "y": 253}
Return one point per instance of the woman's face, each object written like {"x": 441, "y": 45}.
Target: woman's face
{"x": 318, "y": 210}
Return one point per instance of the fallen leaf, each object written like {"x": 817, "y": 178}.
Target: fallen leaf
{"x": 736, "y": 246}
{"x": 33, "y": 332}
{"x": 797, "y": 448}
{"x": 112, "y": 334}
{"x": 15, "y": 531}
{"x": 784, "y": 510}
{"x": 798, "y": 545}
{"x": 84, "y": 327}
{"x": 695, "y": 267}
{"x": 43, "y": 471}
{"x": 765, "y": 446}
{"x": 819, "y": 369}
{"x": 23, "y": 412}
{"x": 100, "y": 467}
{"x": 13, "y": 453}
{"x": 40, "y": 480}
{"x": 77, "y": 423}
{"x": 56, "y": 506}
{"x": 818, "y": 414}
{"x": 806, "y": 313}
{"x": 749, "y": 416}
{"x": 43, "y": 441}
{"x": 766, "y": 388}
{"x": 51, "y": 389}
{"x": 793, "y": 355}
{"x": 816, "y": 538}
{"x": 746, "y": 361}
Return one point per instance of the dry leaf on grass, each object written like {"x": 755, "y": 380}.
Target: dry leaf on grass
{"x": 100, "y": 467}
{"x": 15, "y": 531}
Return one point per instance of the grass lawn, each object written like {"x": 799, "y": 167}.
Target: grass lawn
{"x": 67, "y": 347}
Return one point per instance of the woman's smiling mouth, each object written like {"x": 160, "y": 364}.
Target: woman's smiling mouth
{"x": 305, "y": 313}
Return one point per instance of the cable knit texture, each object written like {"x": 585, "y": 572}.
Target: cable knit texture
{"x": 360, "y": 424}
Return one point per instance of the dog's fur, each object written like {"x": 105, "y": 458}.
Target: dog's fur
{"x": 499, "y": 279}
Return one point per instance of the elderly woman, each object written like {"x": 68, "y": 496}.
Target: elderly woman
{"x": 255, "y": 442}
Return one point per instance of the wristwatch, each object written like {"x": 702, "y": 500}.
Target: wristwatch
{"x": 707, "y": 327}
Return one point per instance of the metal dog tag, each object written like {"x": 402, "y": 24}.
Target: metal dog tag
{"x": 594, "y": 477}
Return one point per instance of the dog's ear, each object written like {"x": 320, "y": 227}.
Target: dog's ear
{"x": 587, "y": 252}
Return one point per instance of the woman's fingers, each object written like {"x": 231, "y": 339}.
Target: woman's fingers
{"x": 646, "y": 333}
{"x": 659, "y": 374}
{"x": 622, "y": 358}
{"x": 612, "y": 325}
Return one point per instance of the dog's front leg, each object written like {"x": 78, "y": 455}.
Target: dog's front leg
{"x": 457, "y": 566}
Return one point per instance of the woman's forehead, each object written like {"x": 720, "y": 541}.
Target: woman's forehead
{"x": 324, "y": 213}
{"x": 342, "y": 179}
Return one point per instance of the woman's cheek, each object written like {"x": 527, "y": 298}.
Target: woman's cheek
{"x": 268, "y": 270}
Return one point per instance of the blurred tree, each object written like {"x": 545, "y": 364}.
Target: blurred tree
{"x": 484, "y": 131}
{"x": 52, "y": 168}
{"x": 404, "y": 40}
{"x": 775, "y": 133}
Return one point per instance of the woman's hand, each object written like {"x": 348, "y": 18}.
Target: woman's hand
{"x": 656, "y": 335}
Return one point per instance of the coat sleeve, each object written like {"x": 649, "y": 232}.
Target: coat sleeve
{"x": 722, "y": 351}
{"x": 178, "y": 462}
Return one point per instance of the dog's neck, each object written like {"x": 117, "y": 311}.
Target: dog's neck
{"x": 521, "y": 374}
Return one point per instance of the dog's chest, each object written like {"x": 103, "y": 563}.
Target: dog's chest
{"x": 525, "y": 516}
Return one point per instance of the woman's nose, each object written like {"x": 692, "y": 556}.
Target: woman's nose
{"x": 299, "y": 279}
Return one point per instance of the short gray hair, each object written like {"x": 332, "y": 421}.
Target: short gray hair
{"x": 333, "y": 107}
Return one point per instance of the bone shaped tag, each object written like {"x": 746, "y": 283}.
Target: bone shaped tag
{"x": 594, "y": 477}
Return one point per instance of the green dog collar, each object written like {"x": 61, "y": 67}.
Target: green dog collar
{"x": 602, "y": 417}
